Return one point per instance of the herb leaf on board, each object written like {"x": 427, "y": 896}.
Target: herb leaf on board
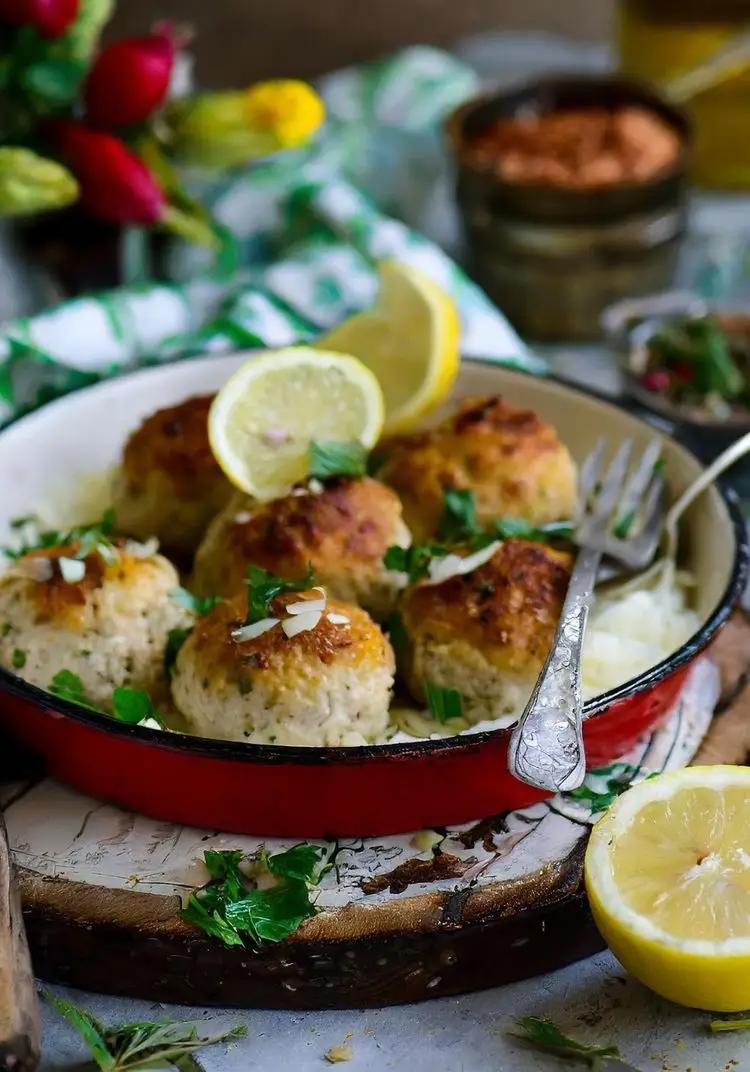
{"x": 230, "y": 906}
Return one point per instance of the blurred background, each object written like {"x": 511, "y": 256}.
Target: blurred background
{"x": 243, "y": 39}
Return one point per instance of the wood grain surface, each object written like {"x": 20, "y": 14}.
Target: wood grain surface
{"x": 19, "y": 1019}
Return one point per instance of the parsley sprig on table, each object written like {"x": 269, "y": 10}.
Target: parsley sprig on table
{"x": 96, "y": 537}
{"x": 459, "y": 528}
{"x": 135, "y": 1047}
{"x": 544, "y": 1035}
{"x": 263, "y": 587}
{"x": 228, "y": 907}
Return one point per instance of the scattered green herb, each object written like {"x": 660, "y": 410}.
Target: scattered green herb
{"x": 613, "y": 779}
{"x": 175, "y": 639}
{"x": 6, "y": 628}
{"x": 88, "y": 539}
{"x": 660, "y": 467}
{"x": 459, "y": 529}
{"x": 136, "y": 1047}
{"x": 197, "y": 605}
{"x": 134, "y": 706}
{"x": 545, "y": 1035}
{"x": 18, "y": 659}
{"x": 331, "y": 458}
{"x": 459, "y": 521}
{"x": 229, "y": 906}
{"x": 624, "y": 525}
{"x": 394, "y": 627}
{"x": 68, "y": 686}
{"x": 263, "y": 587}
{"x": 443, "y": 703}
{"x": 729, "y": 1025}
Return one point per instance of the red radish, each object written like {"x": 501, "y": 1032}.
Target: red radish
{"x": 658, "y": 380}
{"x": 50, "y": 17}
{"x": 129, "y": 80}
{"x": 116, "y": 185}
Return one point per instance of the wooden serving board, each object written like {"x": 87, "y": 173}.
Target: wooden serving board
{"x": 501, "y": 901}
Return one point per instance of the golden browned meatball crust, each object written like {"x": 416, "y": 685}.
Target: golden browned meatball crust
{"x": 511, "y": 459}
{"x": 169, "y": 484}
{"x": 342, "y": 530}
{"x": 487, "y": 633}
{"x": 327, "y": 685}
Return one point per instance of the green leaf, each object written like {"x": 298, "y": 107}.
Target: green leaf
{"x": 197, "y": 605}
{"x": 18, "y": 660}
{"x": 545, "y": 1035}
{"x": 263, "y": 587}
{"x": 89, "y": 1028}
{"x": 228, "y": 907}
{"x": 53, "y": 83}
{"x": 394, "y": 627}
{"x": 443, "y": 703}
{"x": 508, "y": 528}
{"x": 30, "y": 183}
{"x": 459, "y": 520}
{"x": 134, "y": 706}
{"x": 96, "y": 537}
{"x": 729, "y": 1025}
{"x": 624, "y": 525}
{"x": 413, "y": 560}
{"x": 68, "y": 686}
{"x": 175, "y": 639}
{"x": 614, "y": 779}
{"x": 330, "y": 458}
{"x": 146, "y": 1044}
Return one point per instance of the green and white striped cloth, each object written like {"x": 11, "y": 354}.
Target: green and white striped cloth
{"x": 308, "y": 230}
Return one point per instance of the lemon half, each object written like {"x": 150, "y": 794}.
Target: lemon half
{"x": 668, "y": 879}
{"x": 265, "y": 416}
{"x": 410, "y": 341}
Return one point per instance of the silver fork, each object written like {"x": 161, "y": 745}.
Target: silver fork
{"x": 619, "y": 515}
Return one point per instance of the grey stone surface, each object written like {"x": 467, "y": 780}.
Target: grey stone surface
{"x": 593, "y": 1000}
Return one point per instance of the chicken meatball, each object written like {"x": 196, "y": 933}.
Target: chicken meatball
{"x": 109, "y": 626}
{"x": 329, "y": 684}
{"x": 169, "y": 484}
{"x": 487, "y": 633}
{"x": 341, "y": 529}
{"x": 512, "y": 461}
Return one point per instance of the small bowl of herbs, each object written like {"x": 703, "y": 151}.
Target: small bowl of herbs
{"x": 685, "y": 361}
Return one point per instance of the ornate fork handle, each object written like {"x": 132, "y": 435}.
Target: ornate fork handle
{"x": 546, "y": 747}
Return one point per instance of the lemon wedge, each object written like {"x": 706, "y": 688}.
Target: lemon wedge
{"x": 668, "y": 879}
{"x": 267, "y": 414}
{"x": 409, "y": 339}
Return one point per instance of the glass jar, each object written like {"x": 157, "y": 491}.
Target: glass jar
{"x": 659, "y": 39}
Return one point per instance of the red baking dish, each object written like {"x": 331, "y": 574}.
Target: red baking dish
{"x": 319, "y": 792}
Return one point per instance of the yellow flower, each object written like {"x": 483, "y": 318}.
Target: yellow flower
{"x": 288, "y": 110}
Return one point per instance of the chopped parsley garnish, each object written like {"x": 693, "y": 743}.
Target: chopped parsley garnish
{"x": 331, "y": 458}
{"x": 144, "y": 1045}
{"x": 624, "y": 525}
{"x": 197, "y": 605}
{"x": 443, "y": 703}
{"x": 459, "y": 521}
{"x": 134, "y": 706}
{"x": 175, "y": 639}
{"x": 263, "y": 587}
{"x": 545, "y": 1035}
{"x": 229, "y": 907}
{"x": 128, "y": 705}
{"x": 68, "y": 686}
{"x": 96, "y": 537}
{"x": 18, "y": 659}
{"x": 459, "y": 528}
{"x": 604, "y": 785}
{"x": 394, "y": 627}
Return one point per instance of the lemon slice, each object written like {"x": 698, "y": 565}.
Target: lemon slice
{"x": 268, "y": 412}
{"x": 668, "y": 879}
{"x": 409, "y": 339}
